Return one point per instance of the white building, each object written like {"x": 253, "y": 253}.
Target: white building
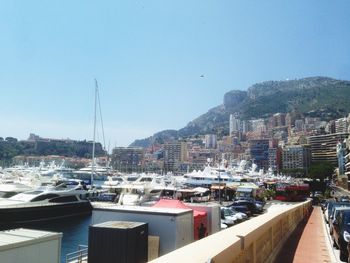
{"x": 235, "y": 124}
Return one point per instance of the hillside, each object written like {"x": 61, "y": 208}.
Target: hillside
{"x": 315, "y": 96}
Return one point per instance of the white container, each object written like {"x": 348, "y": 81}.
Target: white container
{"x": 174, "y": 226}
{"x": 213, "y": 215}
{"x": 30, "y": 246}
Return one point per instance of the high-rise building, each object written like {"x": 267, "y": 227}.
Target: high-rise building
{"x": 280, "y": 119}
{"x": 175, "y": 153}
{"x": 210, "y": 141}
{"x": 235, "y": 123}
{"x": 299, "y": 125}
{"x": 296, "y": 157}
{"x": 330, "y": 127}
{"x": 274, "y": 159}
{"x": 258, "y": 125}
{"x": 127, "y": 159}
{"x": 245, "y": 126}
{"x": 259, "y": 153}
{"x": 323, "y": 147}
{"x": 341, "y": 125}
{"x": 289, "y": 120}
{"x": 341, "y": 153}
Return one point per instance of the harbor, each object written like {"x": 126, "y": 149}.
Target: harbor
{"x": 200, "y": 203}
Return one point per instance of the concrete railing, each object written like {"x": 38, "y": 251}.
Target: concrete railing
{"x": 256, "y": 240}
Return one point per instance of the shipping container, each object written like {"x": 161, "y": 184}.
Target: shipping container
{"x": 173, "y": 226}
{"x": 118, "y": 242}
{"x": 30, "y": 246}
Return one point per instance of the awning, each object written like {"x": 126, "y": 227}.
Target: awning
{"x": 244, "y": 190}
{"x": 216, "y": 187}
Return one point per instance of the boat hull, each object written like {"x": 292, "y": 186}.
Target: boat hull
{"x": 17, "y": 216}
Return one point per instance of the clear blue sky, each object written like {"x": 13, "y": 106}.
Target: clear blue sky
{"x": 148, "y": 57}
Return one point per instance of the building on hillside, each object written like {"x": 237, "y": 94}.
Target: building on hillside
{"x": 280, "y": 133}
{"x": 210, "y": 141}
{"x": 299, "y": 125}
{"x": 235, "y": 123}
{"x": 175, "y": 153}
{"x": 258, "y": 125}
{"x": 128, "y": 159}
{"x": 330, "y": 127}
{"x": 275, "y": 159}
{"x": 259, "y": 153}
{"x": 296, "y": 157}
{"x": 324, "y": 147}
{"x": 341, "y": 125}
{"x": 276, "y": 120}
{"x": 199, "y": 158}
{"x": 245, "y": 126}
{"x": 347, "y": 160}
{"x": 289, "y": 119}
{"x": 274, "y": 156}
{"x": 341, "y": 153}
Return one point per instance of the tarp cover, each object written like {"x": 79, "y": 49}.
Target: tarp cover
{"x": 199, "y": 217}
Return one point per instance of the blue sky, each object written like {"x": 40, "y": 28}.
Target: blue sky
{"x": 148, "y": 57}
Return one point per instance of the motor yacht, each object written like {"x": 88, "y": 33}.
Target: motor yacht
{"x": 207, "y": 177}
{"x": 45, "y": 203}
{"x": 113, "y": 182}
{"x": 99, "y": 173}
{"x": 10, "y": 189}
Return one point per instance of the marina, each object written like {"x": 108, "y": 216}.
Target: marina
{"x": 142, "y": 197}
{"x": 175, "y": 131}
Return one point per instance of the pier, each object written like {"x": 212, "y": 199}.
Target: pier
{"x": 286, "y": 232}
{"x": 259, "y": 239}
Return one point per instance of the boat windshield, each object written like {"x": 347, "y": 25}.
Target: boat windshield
{"x": 146, "y": 179}
{"x": 7, "y": 194}
{"x": 228, "y": 212}
{"x": 26, "y": 196}
{"x": 117, "y": 179}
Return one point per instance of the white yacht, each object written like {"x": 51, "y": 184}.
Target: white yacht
{"x": 10, "y": 189}
{"x": 113, "y": 182}
{"x": 207, "y": 177}
{"x": 99, "y": 173}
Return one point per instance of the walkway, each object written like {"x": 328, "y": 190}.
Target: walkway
{"x": 308, "y": 244}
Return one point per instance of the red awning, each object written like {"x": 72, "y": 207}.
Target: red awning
{"x": 172, "y": 203}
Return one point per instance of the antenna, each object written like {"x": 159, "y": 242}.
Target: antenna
{"x": 99, "y": 108}
{"x": 93, "y": 141}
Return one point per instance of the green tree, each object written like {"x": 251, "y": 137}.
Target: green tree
{"x": 321, "y": 170}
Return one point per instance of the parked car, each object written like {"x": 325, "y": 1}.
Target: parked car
{"x": 253, "y": 206}
{"x": 341, "y": 233}
{"x": 228, "y": 217}
{"x": 324, "y": 203}
{"x": 330, "y": 207}
{"x": 334, "y": 214}
{"x": 241, "y": 216}
{"x": 241, "y": 208}
{"x": 343, "y": 198}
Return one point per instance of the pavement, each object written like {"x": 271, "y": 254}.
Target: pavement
{"x": 309, "y": 243}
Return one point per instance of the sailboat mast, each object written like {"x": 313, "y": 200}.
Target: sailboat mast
{"x": 94, "y": 137}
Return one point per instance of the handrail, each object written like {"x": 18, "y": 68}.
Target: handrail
{"x": 78, "y": 256}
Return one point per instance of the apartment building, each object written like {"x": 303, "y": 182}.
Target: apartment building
{"x": 127, "y": 159}
{"x": 296, "y": 157}
{"x": 324, "y": 147}
{"x": 175, "y": 153}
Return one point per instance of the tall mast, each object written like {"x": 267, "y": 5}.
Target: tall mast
{"x": 93, "y": 141}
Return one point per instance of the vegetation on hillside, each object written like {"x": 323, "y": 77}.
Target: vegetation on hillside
{"x": 11, "y": 147}
{"x": 315, "y": 97}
